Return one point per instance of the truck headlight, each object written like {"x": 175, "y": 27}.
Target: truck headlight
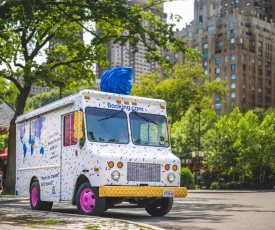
{"x": 115, "y": 175}
{"x": 171, "y": 177}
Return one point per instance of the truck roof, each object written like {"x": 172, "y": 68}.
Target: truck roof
{"x": 92, "y": 93}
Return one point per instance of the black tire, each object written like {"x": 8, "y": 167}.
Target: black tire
{"x": 35, "y": 201}
{"x": 88, "y": 201}
{"x": 160, "y": 207}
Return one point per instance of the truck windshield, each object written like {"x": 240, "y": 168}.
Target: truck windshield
{"x": 106, "y": 125}
{"x": 149, "y": 129}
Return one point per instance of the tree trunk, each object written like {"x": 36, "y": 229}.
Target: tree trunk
{"x": 11, "y": 164}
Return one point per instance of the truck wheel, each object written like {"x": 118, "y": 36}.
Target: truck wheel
{"x": 160, "y": 207}
{"x": 88, "y": 201}
{"x": 35, "y": 201}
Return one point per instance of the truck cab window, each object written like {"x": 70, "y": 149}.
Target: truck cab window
{"x": 107, "y": 125}
{"x": 69, "y": 131}
{"x": 149, "y": 129}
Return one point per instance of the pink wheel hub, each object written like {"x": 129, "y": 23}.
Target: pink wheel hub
{"x": 87, "y": 200}
{"x": 34, "y": 196}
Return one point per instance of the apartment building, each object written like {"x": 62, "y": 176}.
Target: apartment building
{"x": 237, "y": 41}
{"x": 124, "y": 56}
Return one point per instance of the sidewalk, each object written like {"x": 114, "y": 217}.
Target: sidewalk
{"x": 26, "y": 219}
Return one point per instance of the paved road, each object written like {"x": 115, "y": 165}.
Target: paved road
{"x": 239, "y": 210}
{"x": 200, "y": 210}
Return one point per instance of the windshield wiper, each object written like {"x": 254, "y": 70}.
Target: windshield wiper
{"x": 111, "y": 116}
{"x": 144, "y": 118}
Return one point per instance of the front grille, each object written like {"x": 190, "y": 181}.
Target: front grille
{"x": 143, "y": 172}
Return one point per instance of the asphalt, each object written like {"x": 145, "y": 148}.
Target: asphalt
{"x": 27, "y": 219}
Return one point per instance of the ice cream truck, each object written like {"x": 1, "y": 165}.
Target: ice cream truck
{"x": 98, "y": 150}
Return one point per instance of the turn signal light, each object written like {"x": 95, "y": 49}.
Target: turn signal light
{"x": 175, "y": 168}
{"x": 167, "y": 167}
{"x": 111, "y": 164}
{"x": 119, "y": 165}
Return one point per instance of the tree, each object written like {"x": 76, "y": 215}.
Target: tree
{"x": 45, "y": 98}
{"x": 27, "y": 27}
{"x": 220, "y": 143}
{"x": 185, "y": 132}
{"x": 188, "y": 87}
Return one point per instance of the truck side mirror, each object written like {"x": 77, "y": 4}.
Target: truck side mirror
{"x": 78, "y": 123}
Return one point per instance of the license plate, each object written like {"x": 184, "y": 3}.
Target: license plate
{"x": 168, "y": 193}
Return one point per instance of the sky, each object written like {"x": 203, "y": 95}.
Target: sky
{"x": 184, "y": 8}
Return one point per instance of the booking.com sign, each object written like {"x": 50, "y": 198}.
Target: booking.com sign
{"x": 127, "y": 107}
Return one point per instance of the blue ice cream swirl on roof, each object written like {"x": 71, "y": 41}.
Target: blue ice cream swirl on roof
{"x": 117, "y": 80}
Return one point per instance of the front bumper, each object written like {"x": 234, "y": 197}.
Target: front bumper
{"x": 139, "y": 191}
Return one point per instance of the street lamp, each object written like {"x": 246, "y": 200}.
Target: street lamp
{"x": 60, "y": 85}
{"x": 199, "y": 128}
{"x": 199, "y": 155}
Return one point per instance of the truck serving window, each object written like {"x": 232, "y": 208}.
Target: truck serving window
{"x": 149, "y": 129}
{"x": 107, "y": 125}
{"x": 69, "y": 131}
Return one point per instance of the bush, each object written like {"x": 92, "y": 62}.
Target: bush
{"x": 187, "y": 178}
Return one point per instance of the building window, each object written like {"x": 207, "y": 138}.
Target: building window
{"x": 176, "y": 55}
{"x": 225, "y": 58}
{"x": 218, "y": 79}
{"x": 260, "y": 44}
{"x": 205, "y": 54}
{"x": 217, "y": 61}
{"x": 205, "y": 63}
{"x": 231, "y": 23}
{"x": 217, "y": 106}
{"x": 189, "y": 34}
{"x": 232, "y": 40}
{"x": 211, "y": 27}
{"x": 233, "y": 95}
{"x": 233, "y": 76}
{"x": 200, "y": 31}
{"x": 200, "y": 19}
{"x": 233, "y": 67}
{"x": 219, "y": 44}
{"x": 167, "y": 57}
{"x": 218, "y": 70}
{"x": 205, "y": 46}
{"x": 233, "y": 85}
{"x": 233, "y": 104}
{"x": 196, "y": 48}
{"x": 247, "y": 3}
{"x": 233, "y": 57}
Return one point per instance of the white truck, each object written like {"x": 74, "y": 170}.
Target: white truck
{"x": 96, "y": 150}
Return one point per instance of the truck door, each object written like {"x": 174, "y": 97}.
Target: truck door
{"x": 69, "y": 158}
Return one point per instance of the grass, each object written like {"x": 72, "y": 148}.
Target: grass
{"x": 50, "y": 222}
{"x": 92, "y": 227}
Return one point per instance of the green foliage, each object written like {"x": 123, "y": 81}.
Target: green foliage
{"x": 185, "y": 132}
{"x": 45, "y": 98}
{"x": 187, "y": 178}
{"x": 4, "y": 141}
{"x": 188, "y": 87}
{"x": 241, "y": 147}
